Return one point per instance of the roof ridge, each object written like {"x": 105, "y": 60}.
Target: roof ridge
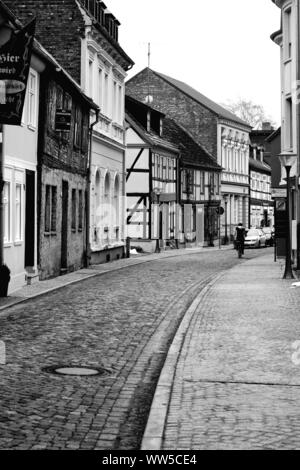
{"x": 210, "y": 104}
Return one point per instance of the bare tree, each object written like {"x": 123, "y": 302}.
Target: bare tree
{"x": 254, "y": 114}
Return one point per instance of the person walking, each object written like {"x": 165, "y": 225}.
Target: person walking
{"x": 240, "y": 234}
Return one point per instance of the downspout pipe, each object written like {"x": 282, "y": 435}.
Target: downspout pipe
{"x": 88, "y": 197}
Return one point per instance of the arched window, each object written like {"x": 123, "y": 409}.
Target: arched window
{"x": 107, "y": 209}
{"x": 97, "y": 196}
{"x": 116, "y": 201}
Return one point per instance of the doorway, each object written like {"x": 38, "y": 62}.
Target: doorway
{"x": 29, "y": 219}
{"x": 64, "y": 225}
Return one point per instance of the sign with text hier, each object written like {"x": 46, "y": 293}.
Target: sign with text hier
{"x": 63, "y": 120}
{"x": 15, "y": 56}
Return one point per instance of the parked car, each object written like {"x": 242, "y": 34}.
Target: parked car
{"x": 269, "y": 232}
{"x": 255, "y": 238}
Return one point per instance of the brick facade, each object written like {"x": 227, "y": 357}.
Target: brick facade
{"x": 59, "y": 27}
{"x": 200, "y": 122}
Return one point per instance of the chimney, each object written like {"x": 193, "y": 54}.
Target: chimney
{"x": 266, "y": 126}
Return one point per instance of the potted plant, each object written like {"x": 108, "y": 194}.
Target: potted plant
{"x": 4, "y": 280}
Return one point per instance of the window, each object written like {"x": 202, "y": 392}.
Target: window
{"x": 50, "y": 208}
{"x": 100, "y": 78}
{"x": 117, "y": 202}
{"x": 73, "y": 225}
{"x": 105, "y": 96}
{"x": 78, "y": 127}
{"x": 287, "y": 34}
{"x": 32, "y": 99}
{"x": 18, "y": 214}
{"x": 80, "y": 209}
{"x": 216, "y": 183}
{"x": 7, "y": 211}
{"x": 158, "y": 166}
{"x": 120, "y": 100}
{"x": 188, "y": 181}
{"x": 202, "y": 182}
{"x": 106, "y": 208}
{"x": 115, "y": 102}
{"x": 289, "y": 124}
{"x": 164, "y": 166}
{"x": 91, "y": 78}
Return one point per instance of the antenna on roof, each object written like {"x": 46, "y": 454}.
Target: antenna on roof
{"x": 149, "y": 98}
{"x": 149, "y": 54}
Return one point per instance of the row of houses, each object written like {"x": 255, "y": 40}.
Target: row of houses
{"x": 154, "y": 159}
{"x": 288, "y": 40}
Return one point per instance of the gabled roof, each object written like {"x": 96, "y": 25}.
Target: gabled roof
{"x": 150, "y": 138}
{"x": 201, "y": 99}
{"x": 191, "y": 152}
{"x": 274, "y": 134}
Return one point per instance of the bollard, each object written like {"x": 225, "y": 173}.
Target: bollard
{"x": 127, "y": 247}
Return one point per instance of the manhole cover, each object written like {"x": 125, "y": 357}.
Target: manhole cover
{"x": 75, "y": 370}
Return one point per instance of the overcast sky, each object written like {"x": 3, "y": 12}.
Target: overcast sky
{"x": 222, "y": 48}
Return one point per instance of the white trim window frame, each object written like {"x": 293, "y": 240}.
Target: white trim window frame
{"x": 19, "y": 215}
{"x": 32, "y": 99}
{"x": 7, "y": 211}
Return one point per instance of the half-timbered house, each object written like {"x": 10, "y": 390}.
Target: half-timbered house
{"x": 151, "y": 177}
{"x": 199, "y": 188}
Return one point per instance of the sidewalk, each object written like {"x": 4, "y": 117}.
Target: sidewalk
{"x": 43, "y": 287}
{"x": 232, "y": 376}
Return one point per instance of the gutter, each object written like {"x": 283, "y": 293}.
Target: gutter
{"x": 88, "y": 193}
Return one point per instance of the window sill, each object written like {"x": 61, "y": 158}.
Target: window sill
{"x": 8, "y": 245}
{"x": 73, "y": 230}
{"x": 31, "y": 127}
{"x": 18, "y": 243}
{"x": 50, "y": 234}
{"x": 80, "y": 230}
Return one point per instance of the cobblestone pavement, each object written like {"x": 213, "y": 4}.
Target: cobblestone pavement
{"x": 122, "y": 321}
{"x": 237, "y": 378}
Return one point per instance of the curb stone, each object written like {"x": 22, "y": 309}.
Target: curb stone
{"x": 153, "y": 435}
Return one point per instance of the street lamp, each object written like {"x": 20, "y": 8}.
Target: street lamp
{"x": 157, "y": 192}
{"x": 226, "y": 236}
{"x": 287, "y": 160}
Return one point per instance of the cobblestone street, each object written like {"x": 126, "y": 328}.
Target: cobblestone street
{"x": 122, "y": 321}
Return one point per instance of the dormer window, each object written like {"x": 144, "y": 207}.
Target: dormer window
{"x": 112, "y": 25}
{"x": 100, "y": 13}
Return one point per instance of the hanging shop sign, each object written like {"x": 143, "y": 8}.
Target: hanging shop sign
{"x": 63, "y": 120}
{"x": 15, "y": 56}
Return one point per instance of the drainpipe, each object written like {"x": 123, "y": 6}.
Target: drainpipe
{"x": 88, "y": 197}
